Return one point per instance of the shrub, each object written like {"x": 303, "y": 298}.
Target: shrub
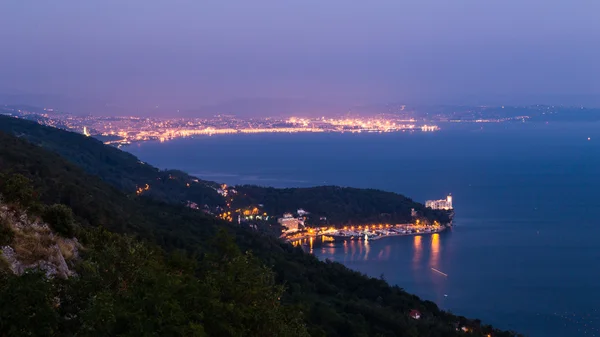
{"x": 6, "y": 232}
{"x": 60, "y": 219}
{"x": 17, "y": 189}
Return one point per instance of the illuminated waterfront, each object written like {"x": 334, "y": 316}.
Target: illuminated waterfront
{"x": 127, "y": 129}
{"x": 360, "y": 233}
{"x": 124, "y": 129}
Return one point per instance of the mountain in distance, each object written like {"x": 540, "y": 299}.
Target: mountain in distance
{"x": 185, "y": 252}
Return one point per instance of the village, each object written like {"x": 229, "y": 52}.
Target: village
{"x": 298, "y": 234}
{"x": 301, "y": 226}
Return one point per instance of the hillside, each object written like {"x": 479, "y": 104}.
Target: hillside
{"x": 103, "y": 284}
{"x": 120, "y": 169}
{"x": 96, "y": 203}
{"x": 330, "y": 299}
{"x": 340, "y": 205}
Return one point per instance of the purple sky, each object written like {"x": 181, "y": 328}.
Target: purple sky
{"x": 133, "y": 55}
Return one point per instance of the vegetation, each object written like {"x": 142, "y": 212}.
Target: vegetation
{"x": 120, "y": 169}
{"x": 92, "y": 201}
{"x": 126, "y": 287}
{"x": 195, "y": 281}
{"x": 6, "y": 232}
{"x": 60, "y": 219}
{"x": 17, "y": 189}
{"x": 340, "y": 205}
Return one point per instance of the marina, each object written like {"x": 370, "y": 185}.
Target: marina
{"x": 362, "y": 233}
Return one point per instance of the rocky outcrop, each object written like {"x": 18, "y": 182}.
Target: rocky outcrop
{"x": 36, "y": 246}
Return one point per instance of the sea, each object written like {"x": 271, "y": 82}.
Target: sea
{"x": 524, "y": 253}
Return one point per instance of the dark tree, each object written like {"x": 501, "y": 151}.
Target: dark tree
{"x": 60, "y": 218}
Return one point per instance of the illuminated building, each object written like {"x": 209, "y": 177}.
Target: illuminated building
{"x": 445, "y": 204}
{"x": 223, "y": 190}
{"x": 251, "y": 211}
{"x": 429, "y": 128}
{"x": 289, "y": 222}
{"x": 141, "y": 190}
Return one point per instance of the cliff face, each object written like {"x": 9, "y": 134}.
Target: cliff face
{"x": 29, "y": 243}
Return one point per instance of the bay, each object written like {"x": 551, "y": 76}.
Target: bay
{"x": 523, "y": 254}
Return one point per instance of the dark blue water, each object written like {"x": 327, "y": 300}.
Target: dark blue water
{"x": 524, "y": 253}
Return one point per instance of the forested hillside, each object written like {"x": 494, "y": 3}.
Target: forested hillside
{"x": 58, "y": 278}
{"x": 327, "y": 297}
{"x": 340, "y": 205}
{"x": 118, "y": 168}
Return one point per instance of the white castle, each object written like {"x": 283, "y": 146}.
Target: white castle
{"x": 440, "y": 204}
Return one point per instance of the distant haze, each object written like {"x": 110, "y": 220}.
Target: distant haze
{"x": 190, "y": 57}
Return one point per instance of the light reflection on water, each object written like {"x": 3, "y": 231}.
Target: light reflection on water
{"x": 408, "y": 262}
{"x": 420, "y": 253}
{"x": 435, "y": 251}
{"x": 418, "y": 250}
{"x": 355, "y": 250}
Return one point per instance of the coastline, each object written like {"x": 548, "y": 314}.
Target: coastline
{"x": 409, "y": 234}
{"x": 303, "y": 240}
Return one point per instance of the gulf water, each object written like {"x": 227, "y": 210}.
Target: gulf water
{"x": 524, "y": 253}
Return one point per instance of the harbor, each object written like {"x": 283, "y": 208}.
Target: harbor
{"x": 298, "y": 232}
{"x": 362, "y": 233}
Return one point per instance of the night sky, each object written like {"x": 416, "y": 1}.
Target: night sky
{"x": 157, "y": 57}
